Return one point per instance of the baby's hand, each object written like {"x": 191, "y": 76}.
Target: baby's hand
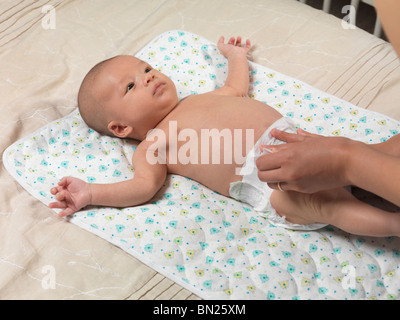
{"x": 72, "y": 194}
{"x": 233, "y": 46}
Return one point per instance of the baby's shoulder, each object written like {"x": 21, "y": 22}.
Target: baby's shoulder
{"x": 195, "y": 99}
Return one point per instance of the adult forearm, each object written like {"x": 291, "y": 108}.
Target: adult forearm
{"x": 389, "y": 14}
{"x": 374, "y": 171}
{"x": 310, "y": 163}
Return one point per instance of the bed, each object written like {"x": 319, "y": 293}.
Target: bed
{"x": 46, "y": 47}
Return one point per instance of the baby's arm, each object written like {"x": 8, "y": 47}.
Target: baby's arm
{"x": 237, "y": 82}
{"x": 73, "y": 194}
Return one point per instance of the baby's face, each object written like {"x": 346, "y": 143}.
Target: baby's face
{"x": 135, "y": 94}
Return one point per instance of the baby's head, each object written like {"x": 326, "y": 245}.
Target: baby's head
{"x": 125, "y": 97}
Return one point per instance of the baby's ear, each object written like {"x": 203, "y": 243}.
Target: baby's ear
{"x": 119, "y": 129}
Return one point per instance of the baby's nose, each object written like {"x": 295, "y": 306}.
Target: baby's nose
{"x": 147, "y": 78}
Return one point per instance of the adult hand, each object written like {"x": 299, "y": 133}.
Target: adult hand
{"x": 306, "y": 163}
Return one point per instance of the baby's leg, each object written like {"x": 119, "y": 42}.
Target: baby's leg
{"x": 336, "y": 207}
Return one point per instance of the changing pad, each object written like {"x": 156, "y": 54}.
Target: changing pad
{"x": 212, "y": 245}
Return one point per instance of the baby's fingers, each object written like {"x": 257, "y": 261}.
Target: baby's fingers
{"x": 248, "y": 44}
{"x": 66, "y": 212}
{"x": 238, "y": 42}
{"x": 62, "y": 205}
{"x": 57, "y": 205}
{"x": 63, "y": 182}
{"x": 55, "y": 190}
{"x": 60, "y": 196}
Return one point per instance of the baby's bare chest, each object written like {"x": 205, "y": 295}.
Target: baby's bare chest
{"x": 207, "y": 137}
{"x": 205, "y": 128}
{"x": 217, "y": 113}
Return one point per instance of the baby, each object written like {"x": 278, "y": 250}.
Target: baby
{"x": 126, "y": 98}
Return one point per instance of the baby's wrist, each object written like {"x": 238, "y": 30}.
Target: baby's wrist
{"x": 236, "y": 54}
{"x": 89, "y": 192}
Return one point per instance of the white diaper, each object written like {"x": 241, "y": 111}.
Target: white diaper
{"x": 256, "y": 192}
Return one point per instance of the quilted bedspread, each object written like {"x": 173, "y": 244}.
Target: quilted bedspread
{"x": 214, "y": 246}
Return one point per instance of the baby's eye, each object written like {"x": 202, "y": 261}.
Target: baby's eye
{"x": 147, "y": 70}
{"x": 130, "y": 87}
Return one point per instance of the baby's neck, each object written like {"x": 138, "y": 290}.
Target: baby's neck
{"x": 140, "y": 136}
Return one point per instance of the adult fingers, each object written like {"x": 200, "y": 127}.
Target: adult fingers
{"x": 281, "y": 186}
{"x": 272, "y": 148}
{"x": 270, "y": 161}
{"x": 306, "y": 133}
{"x": 270, "y": 169}
{"x": 271, "y": 176}
{"x": 284, "y": 186}
{"x": 286, "y": 136}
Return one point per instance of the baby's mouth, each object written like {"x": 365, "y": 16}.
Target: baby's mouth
{"x": 158, "y": 88}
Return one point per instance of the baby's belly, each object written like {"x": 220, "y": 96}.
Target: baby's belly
{"x": 212, "y": 137}
{"x": 216, "y": 177}
{"x": 213, "y": 159}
